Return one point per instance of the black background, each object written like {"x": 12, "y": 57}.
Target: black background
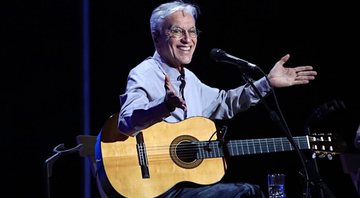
{"x": 41, "y": 63}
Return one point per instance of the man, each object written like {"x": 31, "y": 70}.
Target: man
{"x": 161, "y": 88}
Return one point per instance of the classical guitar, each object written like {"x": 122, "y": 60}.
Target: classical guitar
{"x": 165, "y": 154}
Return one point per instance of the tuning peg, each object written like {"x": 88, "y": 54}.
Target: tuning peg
{"x": 329, "y": 156}
{"x": 313, "y": 155}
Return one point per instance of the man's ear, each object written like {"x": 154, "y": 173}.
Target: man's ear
{"x": 156, "y": 36}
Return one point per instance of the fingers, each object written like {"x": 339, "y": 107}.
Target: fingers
{"x": 303, "y": 68}
{"x": 284, "y": 59}
{"x": 168, "y": 85}
{"x": 304, "y": 74}
{"x": 171, "y": 99}
{"x": 302, "y": 71}
{"x": 304, "y": 78}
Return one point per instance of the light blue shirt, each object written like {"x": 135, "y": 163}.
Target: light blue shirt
{"x": 142, "y": 104}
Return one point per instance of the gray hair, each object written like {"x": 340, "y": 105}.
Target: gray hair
{"x": 161, "y": 12}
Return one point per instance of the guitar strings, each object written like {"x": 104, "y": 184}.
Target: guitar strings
{"x": 242, "y": 147}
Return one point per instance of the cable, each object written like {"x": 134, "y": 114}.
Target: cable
{"x": 284, "y": 126}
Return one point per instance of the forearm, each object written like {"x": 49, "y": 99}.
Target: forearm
{"x": 229, "y": 103}
{"x": 133, "y": 120}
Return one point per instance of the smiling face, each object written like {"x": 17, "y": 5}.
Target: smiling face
{"x": 176, "y": 41}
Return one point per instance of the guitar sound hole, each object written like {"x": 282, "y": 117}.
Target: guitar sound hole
{"x": 183, "y": 151}
{"x": 186, "y": 152}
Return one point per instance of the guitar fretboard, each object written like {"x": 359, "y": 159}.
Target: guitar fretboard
{"x": 212, "y": 149}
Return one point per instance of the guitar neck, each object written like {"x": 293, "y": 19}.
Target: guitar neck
{"x": 213, "y": 149}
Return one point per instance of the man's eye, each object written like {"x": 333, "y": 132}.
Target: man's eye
{"x": 177, "y": 31}
{"x": 193, "y": 32}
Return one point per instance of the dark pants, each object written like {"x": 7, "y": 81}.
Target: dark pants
{"x": 222, "y": 190}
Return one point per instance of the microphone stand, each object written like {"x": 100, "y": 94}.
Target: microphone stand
{"x": 321, "y": 112}
{"x": 275, "y": 117}
{"x": 59, "y": 150}
{"x": 315, "y": 179}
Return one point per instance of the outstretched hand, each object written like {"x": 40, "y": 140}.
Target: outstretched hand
{"x": 280, "y": 76}
{"x": 171, "y": 99}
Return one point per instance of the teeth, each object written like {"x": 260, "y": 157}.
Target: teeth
{"x": 184, "y": 48}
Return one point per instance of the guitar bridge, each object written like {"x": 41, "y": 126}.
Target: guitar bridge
{"x": 142, "y": 156}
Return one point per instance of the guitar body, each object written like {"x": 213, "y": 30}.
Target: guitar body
{"x": 118, "y": 158}
{"x": 165, "y": 154}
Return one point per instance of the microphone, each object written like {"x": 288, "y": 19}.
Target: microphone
{"x": 221, "y": 56}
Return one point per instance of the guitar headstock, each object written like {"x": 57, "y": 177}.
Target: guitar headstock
{"x": 326, "y": 145}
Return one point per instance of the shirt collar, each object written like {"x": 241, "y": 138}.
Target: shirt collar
{"x": 171, "y": 71}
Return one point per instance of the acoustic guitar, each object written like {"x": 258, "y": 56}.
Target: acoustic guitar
{"x": 165, "y": 154}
